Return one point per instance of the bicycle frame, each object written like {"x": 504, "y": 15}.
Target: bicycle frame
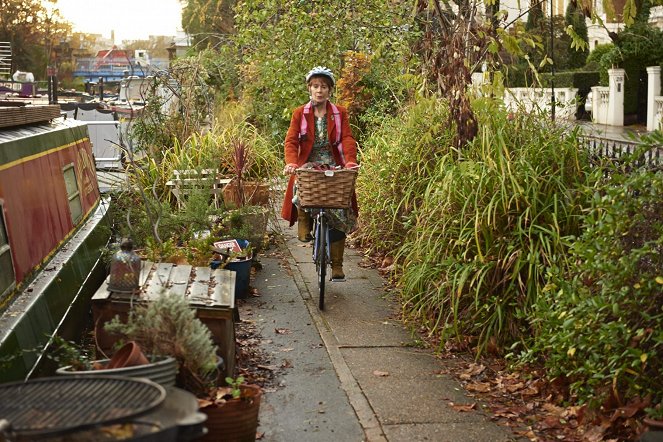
{"x": 321, "y": 256}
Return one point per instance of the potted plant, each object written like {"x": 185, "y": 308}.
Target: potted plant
{"x": 654, "y": 419}
{"x": 167, "y": 326}
{"x": 241, "y": 190}
{"x": 129, "y": 360}
{"x": 232, "y": 411}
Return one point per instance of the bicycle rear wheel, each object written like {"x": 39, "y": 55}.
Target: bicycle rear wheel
{"x": 321, "y": 261}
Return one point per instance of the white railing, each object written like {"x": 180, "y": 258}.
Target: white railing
{"x": 658, "y": 118}
{"x": 600, "y": 100}
{"x": 537, "y": 99}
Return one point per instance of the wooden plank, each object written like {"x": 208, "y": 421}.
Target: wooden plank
{"x": 224, "y": 288}
{"x": 179, "y": 279}
{"x": 158, "y": 282}
{"x": 199, "y": 288}
{"x": 145, "y": 268}
{"x": 102, "y": 292}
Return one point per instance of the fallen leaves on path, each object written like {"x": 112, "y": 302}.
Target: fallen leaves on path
{"x": 379, "y": 373}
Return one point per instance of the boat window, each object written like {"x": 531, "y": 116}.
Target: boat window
{"x": 7, "y": 276}
{"x": 72, "y": 193}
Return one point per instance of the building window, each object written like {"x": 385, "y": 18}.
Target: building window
{"x": 7, "y": 275}
{"x": 73, "y": 193}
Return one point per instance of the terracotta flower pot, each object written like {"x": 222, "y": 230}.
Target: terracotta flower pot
{"x": 653, "y": 424}
{"x": 129, "y": 355}
{"x": 235, "y": 420}
{"x": 253, "y": 193}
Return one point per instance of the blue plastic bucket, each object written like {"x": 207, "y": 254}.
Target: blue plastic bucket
{"x": 242, "y": 269}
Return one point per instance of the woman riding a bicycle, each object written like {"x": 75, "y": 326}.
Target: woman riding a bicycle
{"x": 313, "y": 141}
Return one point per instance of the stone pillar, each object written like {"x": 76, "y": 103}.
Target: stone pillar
{"x": 616, "y": 102}
{"x": 653, "y": 90}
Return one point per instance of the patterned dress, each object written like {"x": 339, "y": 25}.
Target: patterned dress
{"x": 343, "y": 220}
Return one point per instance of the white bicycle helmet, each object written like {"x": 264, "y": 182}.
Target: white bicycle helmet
{"x": 321, "y": 70}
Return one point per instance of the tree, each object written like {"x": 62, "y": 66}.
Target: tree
{"x": 34, "y": 30}
{"x": 279, "y": 41}
{"x": 156, "y": 46}
{"x": 208, "y": 21}
{"x": 574, "y": 17}
{"x": 535, "y": 14}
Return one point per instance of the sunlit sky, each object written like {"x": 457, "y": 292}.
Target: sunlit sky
{"x": 130, "y": 19}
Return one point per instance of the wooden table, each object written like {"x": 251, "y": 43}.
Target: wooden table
{"x": 210, "y": 292}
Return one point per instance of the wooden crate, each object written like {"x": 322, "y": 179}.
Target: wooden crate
{"x": 210, "y": 292}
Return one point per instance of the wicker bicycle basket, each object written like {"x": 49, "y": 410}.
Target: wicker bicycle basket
{"x": 330, "y": 189}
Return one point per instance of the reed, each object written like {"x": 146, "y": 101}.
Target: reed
{"x": 474, "y": 232}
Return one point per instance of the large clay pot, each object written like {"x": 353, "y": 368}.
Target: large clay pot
{"x": 653, "y": 424}
{"x": 236, "y": 420}
{"x": 254, "y": 193}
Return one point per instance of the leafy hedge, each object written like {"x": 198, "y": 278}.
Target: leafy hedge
{"x": 475, "y": 230}
{"x": 600, "y": 323}
{"x": 583, "y": 80}
{"x": 517, "y": 240}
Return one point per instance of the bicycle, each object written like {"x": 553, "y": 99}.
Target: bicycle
{"x": 320, "y": 190}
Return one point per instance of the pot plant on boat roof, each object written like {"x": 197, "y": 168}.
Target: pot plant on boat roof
{"x": 168, "y": 326}
{"x": 128, "y": 360}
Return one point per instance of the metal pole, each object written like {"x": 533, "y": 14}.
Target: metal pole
{"x": 552, "y": 65}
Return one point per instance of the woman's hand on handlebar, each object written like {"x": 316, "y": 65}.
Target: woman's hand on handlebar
{"x": 290, "y": 169}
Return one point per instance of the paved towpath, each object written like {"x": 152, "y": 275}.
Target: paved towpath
{"x": 352, "y": 372}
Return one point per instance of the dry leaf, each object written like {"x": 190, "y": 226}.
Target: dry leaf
{"x": 481, "y": 387}
{"x": 380, "y": 373}
{"x": 202, "y": 403}
{"x": 514, "y": 387}
{"x": 464, "y": 407}
{"x": 287, "y": 349}
{"x": 268, "y": 367}
{"x": 282, "y": 331}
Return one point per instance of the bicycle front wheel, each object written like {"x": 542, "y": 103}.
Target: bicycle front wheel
{"x": 321, "y": 262}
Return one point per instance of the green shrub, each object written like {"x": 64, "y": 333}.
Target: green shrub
{"x": 397, "y": 160}
{"x": 600, "y": 322}
{"x": 583, "y": 80}
{"x": 167, "y": 326}
{"x": 489, "y": 225}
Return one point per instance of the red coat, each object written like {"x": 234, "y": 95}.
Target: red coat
{"x": 298, "y": 153}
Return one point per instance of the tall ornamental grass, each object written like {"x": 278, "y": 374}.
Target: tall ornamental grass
{"x": 491, "y": 221}
{"x": 397, "y": 160}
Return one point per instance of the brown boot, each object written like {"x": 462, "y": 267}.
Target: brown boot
{"x": 336, "y": 253}
{"x": 303, "y": 225}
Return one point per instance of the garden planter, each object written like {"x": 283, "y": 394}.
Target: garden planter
{"x": 242, "y": 269}
{"x": 653, "y": 424}
{"x": 241, "y": 266}
{"x": 235, "y": 420}
{"x": 162, "y": 371}
{"x": 254, "y": 194}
